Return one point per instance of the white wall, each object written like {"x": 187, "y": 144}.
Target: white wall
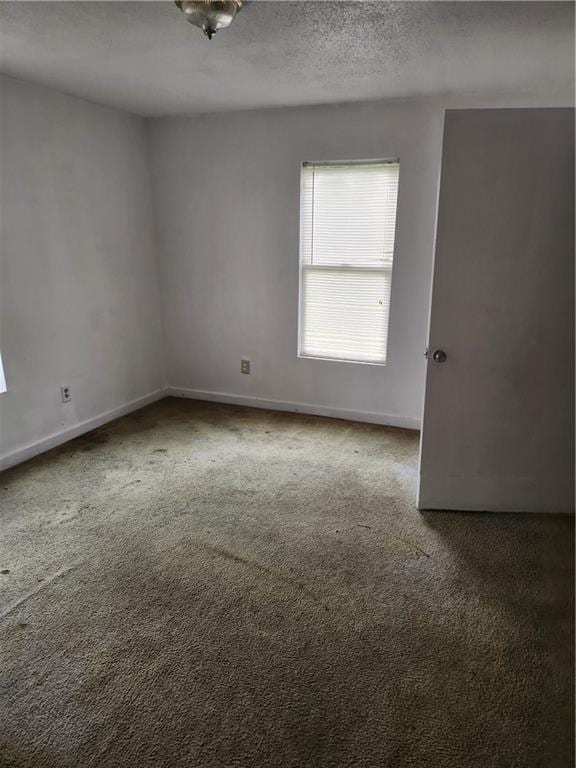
{"x": 227, "y": 200}
{"x": 79, "y": 292}
{"x": 79, "y": 298}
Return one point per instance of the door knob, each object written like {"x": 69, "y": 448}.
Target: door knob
{"x": 439, "y": 356}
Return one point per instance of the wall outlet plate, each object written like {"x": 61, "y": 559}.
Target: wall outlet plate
{"x": 66, "y": 394}
{"x": 245, "y": 365}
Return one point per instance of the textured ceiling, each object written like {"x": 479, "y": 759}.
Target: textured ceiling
{"x": 144, "y": 56}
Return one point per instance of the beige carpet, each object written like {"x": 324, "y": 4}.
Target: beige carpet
{"x": 217, "y": 587}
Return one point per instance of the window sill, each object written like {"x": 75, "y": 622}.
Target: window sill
{"x": 341, "y": 360}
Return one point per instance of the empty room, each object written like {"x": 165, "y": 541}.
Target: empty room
{"x": 287, "y": 384}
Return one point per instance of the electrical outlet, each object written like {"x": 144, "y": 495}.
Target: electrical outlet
{"x": 66, "y": 394}
{"x": 245, "y": 366}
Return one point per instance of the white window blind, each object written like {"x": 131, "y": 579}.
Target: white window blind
{"x": 347, "y": 226}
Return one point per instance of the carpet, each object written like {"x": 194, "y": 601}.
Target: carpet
{"x": 219, "y": 587}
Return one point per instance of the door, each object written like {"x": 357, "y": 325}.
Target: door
{"x": 498, "y": 421}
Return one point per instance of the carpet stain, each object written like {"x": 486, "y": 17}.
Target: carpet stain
{"x": 246, "y": 589}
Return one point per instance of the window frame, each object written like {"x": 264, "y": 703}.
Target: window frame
{"x": 302, "y": 267}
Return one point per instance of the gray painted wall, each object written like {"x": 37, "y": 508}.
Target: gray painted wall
{"x": 227, "y": 201}
{"x": 79, "y": 298}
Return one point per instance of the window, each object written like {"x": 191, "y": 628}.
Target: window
{"x": 347, "y": 225}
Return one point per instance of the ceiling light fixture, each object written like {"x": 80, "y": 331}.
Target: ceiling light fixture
{"x": 210, "y": 15}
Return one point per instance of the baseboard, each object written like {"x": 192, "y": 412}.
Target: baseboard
{"x": 389, "y": 420}
{"x": 58, "y": 438}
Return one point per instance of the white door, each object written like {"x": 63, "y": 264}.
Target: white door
{"x": 498, "y": 427}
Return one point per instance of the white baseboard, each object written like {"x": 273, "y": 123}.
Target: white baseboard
{"x": 57, "y": 438}
{"x": 390, "y": 420}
